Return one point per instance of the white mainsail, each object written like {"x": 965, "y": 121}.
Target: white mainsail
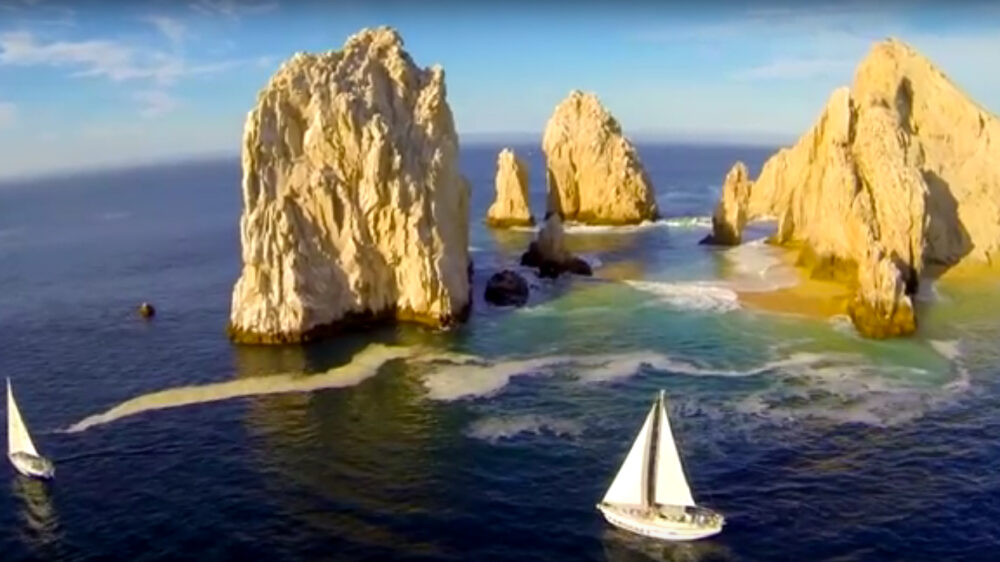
{"x": 629, "y": 486}
{"x": 671, "y": 486}
{"x": 18, "y": 440}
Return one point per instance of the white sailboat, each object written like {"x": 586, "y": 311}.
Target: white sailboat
{"x": 650, "y": 494}
{"x": 20, "y": 450}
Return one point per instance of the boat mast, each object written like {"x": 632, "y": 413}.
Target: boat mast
{"x": 649, "y": 475}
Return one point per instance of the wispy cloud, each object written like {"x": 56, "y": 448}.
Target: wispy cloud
{"x": 232, "y": 9}
{"x": 8, "y": 113}
{"x": 155, "y": 102}
{"x": 171, "y": 28}
{"x": 110, "y": 59}
{"x": 797, "y": 69}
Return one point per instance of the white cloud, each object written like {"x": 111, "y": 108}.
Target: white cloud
{"x": 171, "y": 28}
{"x": 155, "y": 102}
{"x": 232, "y": 9}
{"x": 8, "y": 113}
{"x": 113, "y": 60}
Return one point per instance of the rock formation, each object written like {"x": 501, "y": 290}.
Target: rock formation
{"x": 353, "y": 206}
{"x": 549, "y": 254}
{"x": 506, "y": 288}
{"x": 511, "y": 205}
{"x": 901, "y": 171}
{"x": 593, "y": 172}
{"x": 730, "y": 214}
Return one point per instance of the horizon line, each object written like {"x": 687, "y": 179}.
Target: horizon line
{"x": 475, "y": 139}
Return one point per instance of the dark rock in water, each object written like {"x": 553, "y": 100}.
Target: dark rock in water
{"x": 507, "y": 288}
{"x": 578, "y": 266}
{"x": 146, "y": 310}
{"x": 549, "y": 254}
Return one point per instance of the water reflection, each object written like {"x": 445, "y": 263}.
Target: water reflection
{"x": 41, "y": 525}
{"x": 340, "y": 461}
{"x": 622, "y": 546}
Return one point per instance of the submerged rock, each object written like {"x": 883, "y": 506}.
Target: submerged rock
{"x": 900, "y": 171}
{"x": 549, "y": 254}
{"x": 594, "y": 174}
{"x": 146, "y": 310}
{"x": 510, "y": 208}
{"x": 507, "y": 288}
{"x": 354, "y": 210}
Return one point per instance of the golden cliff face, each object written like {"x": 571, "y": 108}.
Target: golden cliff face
{"x": 510, "y": 208}
{"x": 594, "y": 174}
{"x": 900, "y": 171}
{"x": 353, "y": 205}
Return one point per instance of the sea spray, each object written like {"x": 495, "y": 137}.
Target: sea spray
{"x": 362, "y": 366}
{"x": 494, "y": 429}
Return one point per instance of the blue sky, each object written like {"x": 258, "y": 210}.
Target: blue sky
{"x": 90, "y": 84}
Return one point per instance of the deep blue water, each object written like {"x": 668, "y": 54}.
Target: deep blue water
{"x": 815, "y": 444}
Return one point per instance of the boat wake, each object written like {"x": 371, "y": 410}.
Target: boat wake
{"x": 495, "y": 429}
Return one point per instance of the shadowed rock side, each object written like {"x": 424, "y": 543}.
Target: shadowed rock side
{"x": 510, "y": 208}
{"x": 354, "y": 210}
{"x": 901, "y": 171}
{"x": 594, "y": 174}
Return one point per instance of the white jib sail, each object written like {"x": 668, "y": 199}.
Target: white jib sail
{"x": 18, "y": 440}
{"x": 629, "y": 486}
{"x": 671, "y": 484}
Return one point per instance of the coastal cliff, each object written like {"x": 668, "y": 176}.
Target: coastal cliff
{"x": 354, "y": 209}
{"x": 900, "y": 171}
{"x": 510, "y": 208}
{"x": 593, "y": 173}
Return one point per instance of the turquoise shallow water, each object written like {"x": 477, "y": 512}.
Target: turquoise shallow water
{"x": 489, "y": 442}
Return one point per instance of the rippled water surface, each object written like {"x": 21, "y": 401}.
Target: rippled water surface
{"x": 490, "y": 442}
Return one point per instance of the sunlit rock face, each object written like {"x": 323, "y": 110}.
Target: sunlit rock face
{"x": 899, "y": 172}
{"x": 510, "y": 208}
{"x": 353, "y": 206}
{"x": 594, "y": 174}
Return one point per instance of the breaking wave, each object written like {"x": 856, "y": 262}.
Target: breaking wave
{"x": 838, "y": 386}
{"x": 693, "y": 295}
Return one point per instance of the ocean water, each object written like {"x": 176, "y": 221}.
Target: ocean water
{"x": 489, "y": 442}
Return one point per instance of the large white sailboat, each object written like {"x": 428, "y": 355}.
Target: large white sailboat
{"x": 20, "y": 450}
{"x": 650, "y": 494}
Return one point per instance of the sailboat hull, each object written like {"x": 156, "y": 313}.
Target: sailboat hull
{"x": 642, "y": 523}
{"x": 32, "y": 466}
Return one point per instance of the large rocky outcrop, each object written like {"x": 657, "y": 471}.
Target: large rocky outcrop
{"x": 511, "y": 205}
{"x": 594, "y": 174}
{"x": 901, "y": 171}
{"x": 353, "y": 206}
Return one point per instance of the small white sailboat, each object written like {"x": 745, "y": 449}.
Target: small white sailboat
{"x": 20, "y": 450}
{"x": 650, "y": 494}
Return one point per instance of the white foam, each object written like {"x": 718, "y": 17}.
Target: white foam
{"x": 362, "y": 366}
{"x": 759, "y": 267}
{"x": 479, "y": 378}
{"x": 497, "y": 428}
{"x": 949, "y": 349}
{"x": 692, "y": 295}
{"x": 689, "y": 222}
{"x": 114, "y": 215}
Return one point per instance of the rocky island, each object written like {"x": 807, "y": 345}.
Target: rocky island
{"x": 354, "y": 209}
{"x": 594, "y": 173}
{"x": 511, "y": 205}
{"x": 899, "y": 175}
